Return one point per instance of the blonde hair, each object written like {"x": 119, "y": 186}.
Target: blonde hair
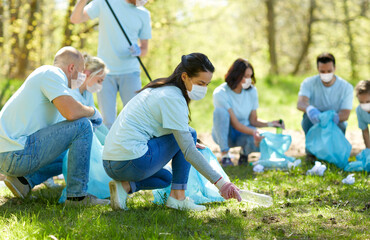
{"x": 95, "y": 65}
{"x": 363, "y": 87}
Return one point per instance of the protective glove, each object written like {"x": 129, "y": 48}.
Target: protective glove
{"x": 313, "y": 114}
{"x": 96, "y": 119}
{"x": 135, "y": 50}
{"x": 336, "y": 118}
{"x": 229, "y": 190}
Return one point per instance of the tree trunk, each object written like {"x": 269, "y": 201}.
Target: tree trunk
{"x": 308, "y": 40}
{"x": 25, "y": 49}
{"x": 352, "y": 51}
{"x": 271, "y": 33}
{"x": 14, "y": 10}
{"x": 67, "y": 25}
{"x": 2, "y": 19}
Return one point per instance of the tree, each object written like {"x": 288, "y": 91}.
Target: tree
{"x": 271, "y": 33}
{"x": 352, "y": 51}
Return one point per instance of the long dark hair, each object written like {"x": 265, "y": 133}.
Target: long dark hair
{"x": 192, "y": 64}
{"x": 236, "y": 73}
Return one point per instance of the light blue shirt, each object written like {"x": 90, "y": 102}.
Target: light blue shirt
{"x": 336, "y": 97}
{"x": 113, "y": 46}
{"x": 30, "y": 108}
{"x": 363, "y": 118}
{"x": 153, "y": 112}
{"x": 242, "y": 103}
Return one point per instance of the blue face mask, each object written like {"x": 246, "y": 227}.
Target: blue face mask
{"x": 197, "y": 92}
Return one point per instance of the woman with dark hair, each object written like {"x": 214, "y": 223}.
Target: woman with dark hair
{"x": 152, "y": 129}
{"x": 235, "y": 116}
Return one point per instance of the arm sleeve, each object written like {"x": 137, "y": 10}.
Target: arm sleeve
{"x": 146, "y": 31}
{"x": 220, "y": 100}
{"x": 348, "y": 98}
{"x": 54, "y": 86}
{"x": 362, "y": 124}
{"x": 194, "y": 157}
{"x": 305, "y": 89}
{"x": 93, "y": 9}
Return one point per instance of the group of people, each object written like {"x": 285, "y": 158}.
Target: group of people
{"x": 49, "y": 125}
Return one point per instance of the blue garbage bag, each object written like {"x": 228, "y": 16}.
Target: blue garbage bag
{"x": 98, "y": 184}
{"x": 362, "y": 163}
{"x": 327, "y": 142}
{"x": 273, "y": 148}
{"x": 199, "y": 189}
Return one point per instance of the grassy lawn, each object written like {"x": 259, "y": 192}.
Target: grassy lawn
{"x": 305, "y": 207}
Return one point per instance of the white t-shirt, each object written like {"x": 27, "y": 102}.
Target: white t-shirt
{"x": 151, "y": 113}
{"x": 242, "y": 103}
{"x": 336, "y": 97}
{"x": 113, "y": 46}
{"x": 30, "y": 108}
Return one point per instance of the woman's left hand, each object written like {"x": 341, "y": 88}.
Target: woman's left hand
{"x": 277, "y": 123}
{"x": 200, "y": 146}
{"x": 257, "y": 138}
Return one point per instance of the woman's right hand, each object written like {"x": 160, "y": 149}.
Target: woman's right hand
{"x": 229, "y": 190}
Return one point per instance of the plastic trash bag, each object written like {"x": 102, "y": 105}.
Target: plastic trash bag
{"x": 318, "y": 169}
{"x": 272, "y": 149}
{"x": 362, "y": 163}
{"x": 98, "y": 184}
{"x": 349, "y": 179}
{"x": 199, "y": 189}
{"x": 258, "y": 168}
{"x": 327, "y": 142}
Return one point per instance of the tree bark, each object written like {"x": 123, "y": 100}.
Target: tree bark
{"x": 308, "y": 39}
{"x": 271, "y": 34}
{"x": 14, "y": 11}
{"x": 25, "y": 49}
{"x": 67, "y": 25}
{"x": 352, "y": 50}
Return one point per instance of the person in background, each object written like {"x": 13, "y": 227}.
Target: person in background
{"x": 363, "y": 110}
{"x": 152, "y": 129}
{"x": 114, "y": 49}
{"x": 235, "y": 120}
{"x": 32, "y": 139}
{"x": 323, "y": 92}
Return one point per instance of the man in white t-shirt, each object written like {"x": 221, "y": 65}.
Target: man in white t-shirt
{"x": 32, "y": 141}
{"x": 324, "y": 92}
{"x": 114, "y": 49}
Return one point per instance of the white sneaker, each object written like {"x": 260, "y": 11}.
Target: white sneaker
{"x": 118, "y": 195}
{"x": 51, "y": 184}
{"x": 186, "y": 204}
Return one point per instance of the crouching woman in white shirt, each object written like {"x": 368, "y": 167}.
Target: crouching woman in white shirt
{"x": 152, "y": 129}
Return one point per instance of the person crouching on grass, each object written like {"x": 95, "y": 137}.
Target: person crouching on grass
{"x": 363, "y": 110}
{"x": 152, "y": 129}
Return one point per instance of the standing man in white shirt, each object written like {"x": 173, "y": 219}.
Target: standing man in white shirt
{"x": 323, "y": 92}
{"x": 31, "y": 140}
{"x": 114, "y": 49}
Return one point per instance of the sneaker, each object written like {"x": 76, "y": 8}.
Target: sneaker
{"x": 17, "y": 187}
{"x": 226, "y": 161}
{"x": 88, "y": 200}
{"x": 51, "y": 184}
{"x": 243, "y": 160}
{"x": 118, "y": 195}
{"x": 186, "y": 204}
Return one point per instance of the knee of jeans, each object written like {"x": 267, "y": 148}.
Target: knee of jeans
{"x": 85, "y": 124}
{"x": 167, "y": 177}
{"x": 193, "y": 134}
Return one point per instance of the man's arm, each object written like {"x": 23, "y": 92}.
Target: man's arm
{"x": 79, "y": 15}
{"x": 365, "y": 135}
{"x": 144, "y": 45}
{"x": 303, "y": 103}
{"x": 344, "y": 115}
{"x": 72, "y": 109}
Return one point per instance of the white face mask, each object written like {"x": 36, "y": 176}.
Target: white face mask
{"x": 76, "y": 83}
{"x": 365, "y": 106}
{"x": 140, "y": 3}
{"x": 247, "y": 83}
{"x": 197, "y": 92}
{"x": 94, "y": 88}
{"x": 326, "y": 77}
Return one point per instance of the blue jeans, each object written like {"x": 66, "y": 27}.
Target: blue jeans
{"x": 307, "y": 124}
{"x": 126, "y": 84}
{"x": 149, "y": 171}
{"x": 226, "y": 136}
{"x": 44, "y": 151}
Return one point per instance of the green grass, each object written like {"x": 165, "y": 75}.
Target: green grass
{"x": 305, "y": 207}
